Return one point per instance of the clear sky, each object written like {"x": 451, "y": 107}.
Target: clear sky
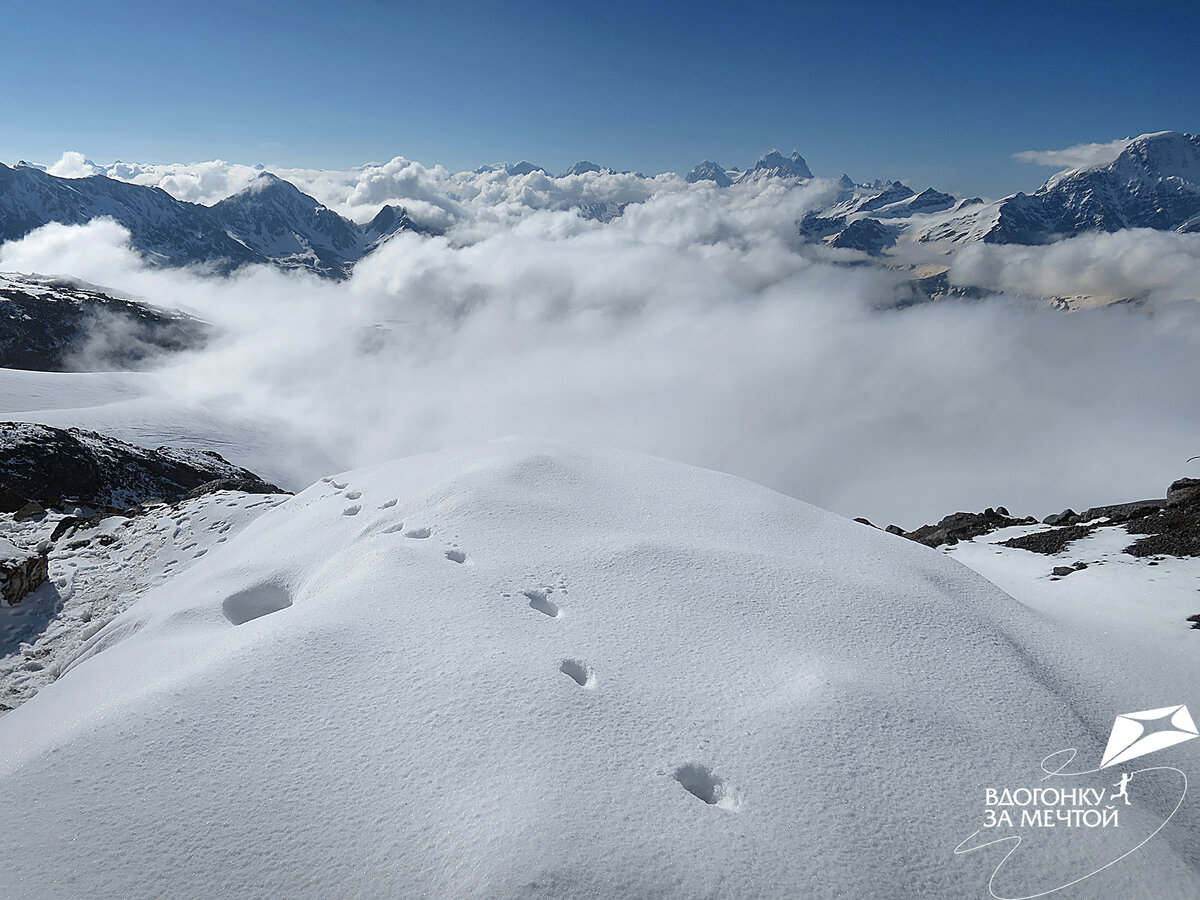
{"x": 935, "y": 92}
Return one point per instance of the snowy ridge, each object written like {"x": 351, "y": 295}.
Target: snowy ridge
{"x": 529, "y": 669}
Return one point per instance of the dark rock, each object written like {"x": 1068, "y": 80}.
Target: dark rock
{"x": 20, "y": 572}
{"x": 1184, "y": 492}
{"x": 896, "y": 530}
{"x": 963, "y": 526}
{"x": 243, "y": 485}
{"x": 1062, "y": 571}
{"x": 55, "y": 325}
{"x": 41, "y": 462}
{"x": 865, "y": 521}
{"x": 1079, "y": 566}
{"x": 10, "y": 501}
{"x": 1066, "y": 517}
{"x": 1174, "y": 531}
{"x": 1122, "y": 512}
{"x": 1049, "y": 542}
{"x": 1195, "y": 620}
{"x": 28, "y": 511}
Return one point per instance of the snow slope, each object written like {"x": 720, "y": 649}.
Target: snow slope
{"x": 524, "y": 669}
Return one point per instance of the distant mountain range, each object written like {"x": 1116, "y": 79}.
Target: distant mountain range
{"x": 270, "y": 221}
{"x": 1153, "y": 183}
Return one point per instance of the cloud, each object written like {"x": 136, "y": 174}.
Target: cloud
{"x": 1080, "y": 156}
{"x": 74, "y": 164}
{"x": 1157, "y": 267}
{"x": 695, "y": 326}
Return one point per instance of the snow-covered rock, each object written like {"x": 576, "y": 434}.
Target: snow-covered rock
{"x": 529, "y": 670}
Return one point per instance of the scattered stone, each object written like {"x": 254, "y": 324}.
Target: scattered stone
{"x": 865, "y": 521}
{"x": 1062, "y": 571}
{"x": 1195, "y": 620}
{"x": 896, "y": 530}
{"x": 1079, "y": 566}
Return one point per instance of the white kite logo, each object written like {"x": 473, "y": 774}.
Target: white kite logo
{"x": 1139, "y": 733}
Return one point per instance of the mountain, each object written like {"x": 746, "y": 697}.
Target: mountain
{"x": 582, "y": 167}
{"x": 709, "y": 171}
{"x": 524, "y": 167}
{"x": 277, "y": 221}
{"x": 52, "y": 325}
{"x": 1153, "y": 183}
{"x": 727, "y": 673}
{"x": 776, "y": 165}
{"x": 167, "y": 231}
{"x": 270, "y": 222}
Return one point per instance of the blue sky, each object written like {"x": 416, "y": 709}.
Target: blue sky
{"x": 934, "y": 93}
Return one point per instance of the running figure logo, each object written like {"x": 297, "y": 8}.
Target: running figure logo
{"x": 1123, "y": 784}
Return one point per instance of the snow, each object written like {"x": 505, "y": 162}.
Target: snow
{"x": 139, "y": 409}
{"x": 97, "y": 573}
{"x": 530, "y": 669}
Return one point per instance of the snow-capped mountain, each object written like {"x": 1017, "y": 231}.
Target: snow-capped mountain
{"x": 50, "y": 324}
{"x": 709, "y": 171}
{"x": 166, "y": 230}
{"x": 1153, "y": 183}
{"x": 278, "y": 222}
{"x": 776, "y": 165}
{"x": 269, "y": 222}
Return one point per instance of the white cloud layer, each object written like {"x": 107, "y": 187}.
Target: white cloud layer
{"x": 697, "y": 327}
{"x": 1080, "y": 156}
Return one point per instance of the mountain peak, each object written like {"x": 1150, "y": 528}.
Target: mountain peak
{"x": 709, "y": 171}
{"x": 776, "y": 164}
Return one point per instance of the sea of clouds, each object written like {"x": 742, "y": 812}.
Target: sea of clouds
{"x": 696, "y": 326}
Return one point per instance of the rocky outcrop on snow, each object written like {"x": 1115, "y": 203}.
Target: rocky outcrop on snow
{"x": 52, "y": 325}
{"x": 1166, "y": 527}
{"x": 21, "y": 572}
{"x": 47, "y": 465}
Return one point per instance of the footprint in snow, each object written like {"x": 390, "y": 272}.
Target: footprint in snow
{"x": 418, "y": 533}
{"x": 700, "y": 781}
{"x": 542, "y": 603}
{"x": 352, "y": 510}
{"x": 579, "y": 672}
{"x": 456, "y": 556}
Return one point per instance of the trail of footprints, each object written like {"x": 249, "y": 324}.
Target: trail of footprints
{"x": 698, "y": 780}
